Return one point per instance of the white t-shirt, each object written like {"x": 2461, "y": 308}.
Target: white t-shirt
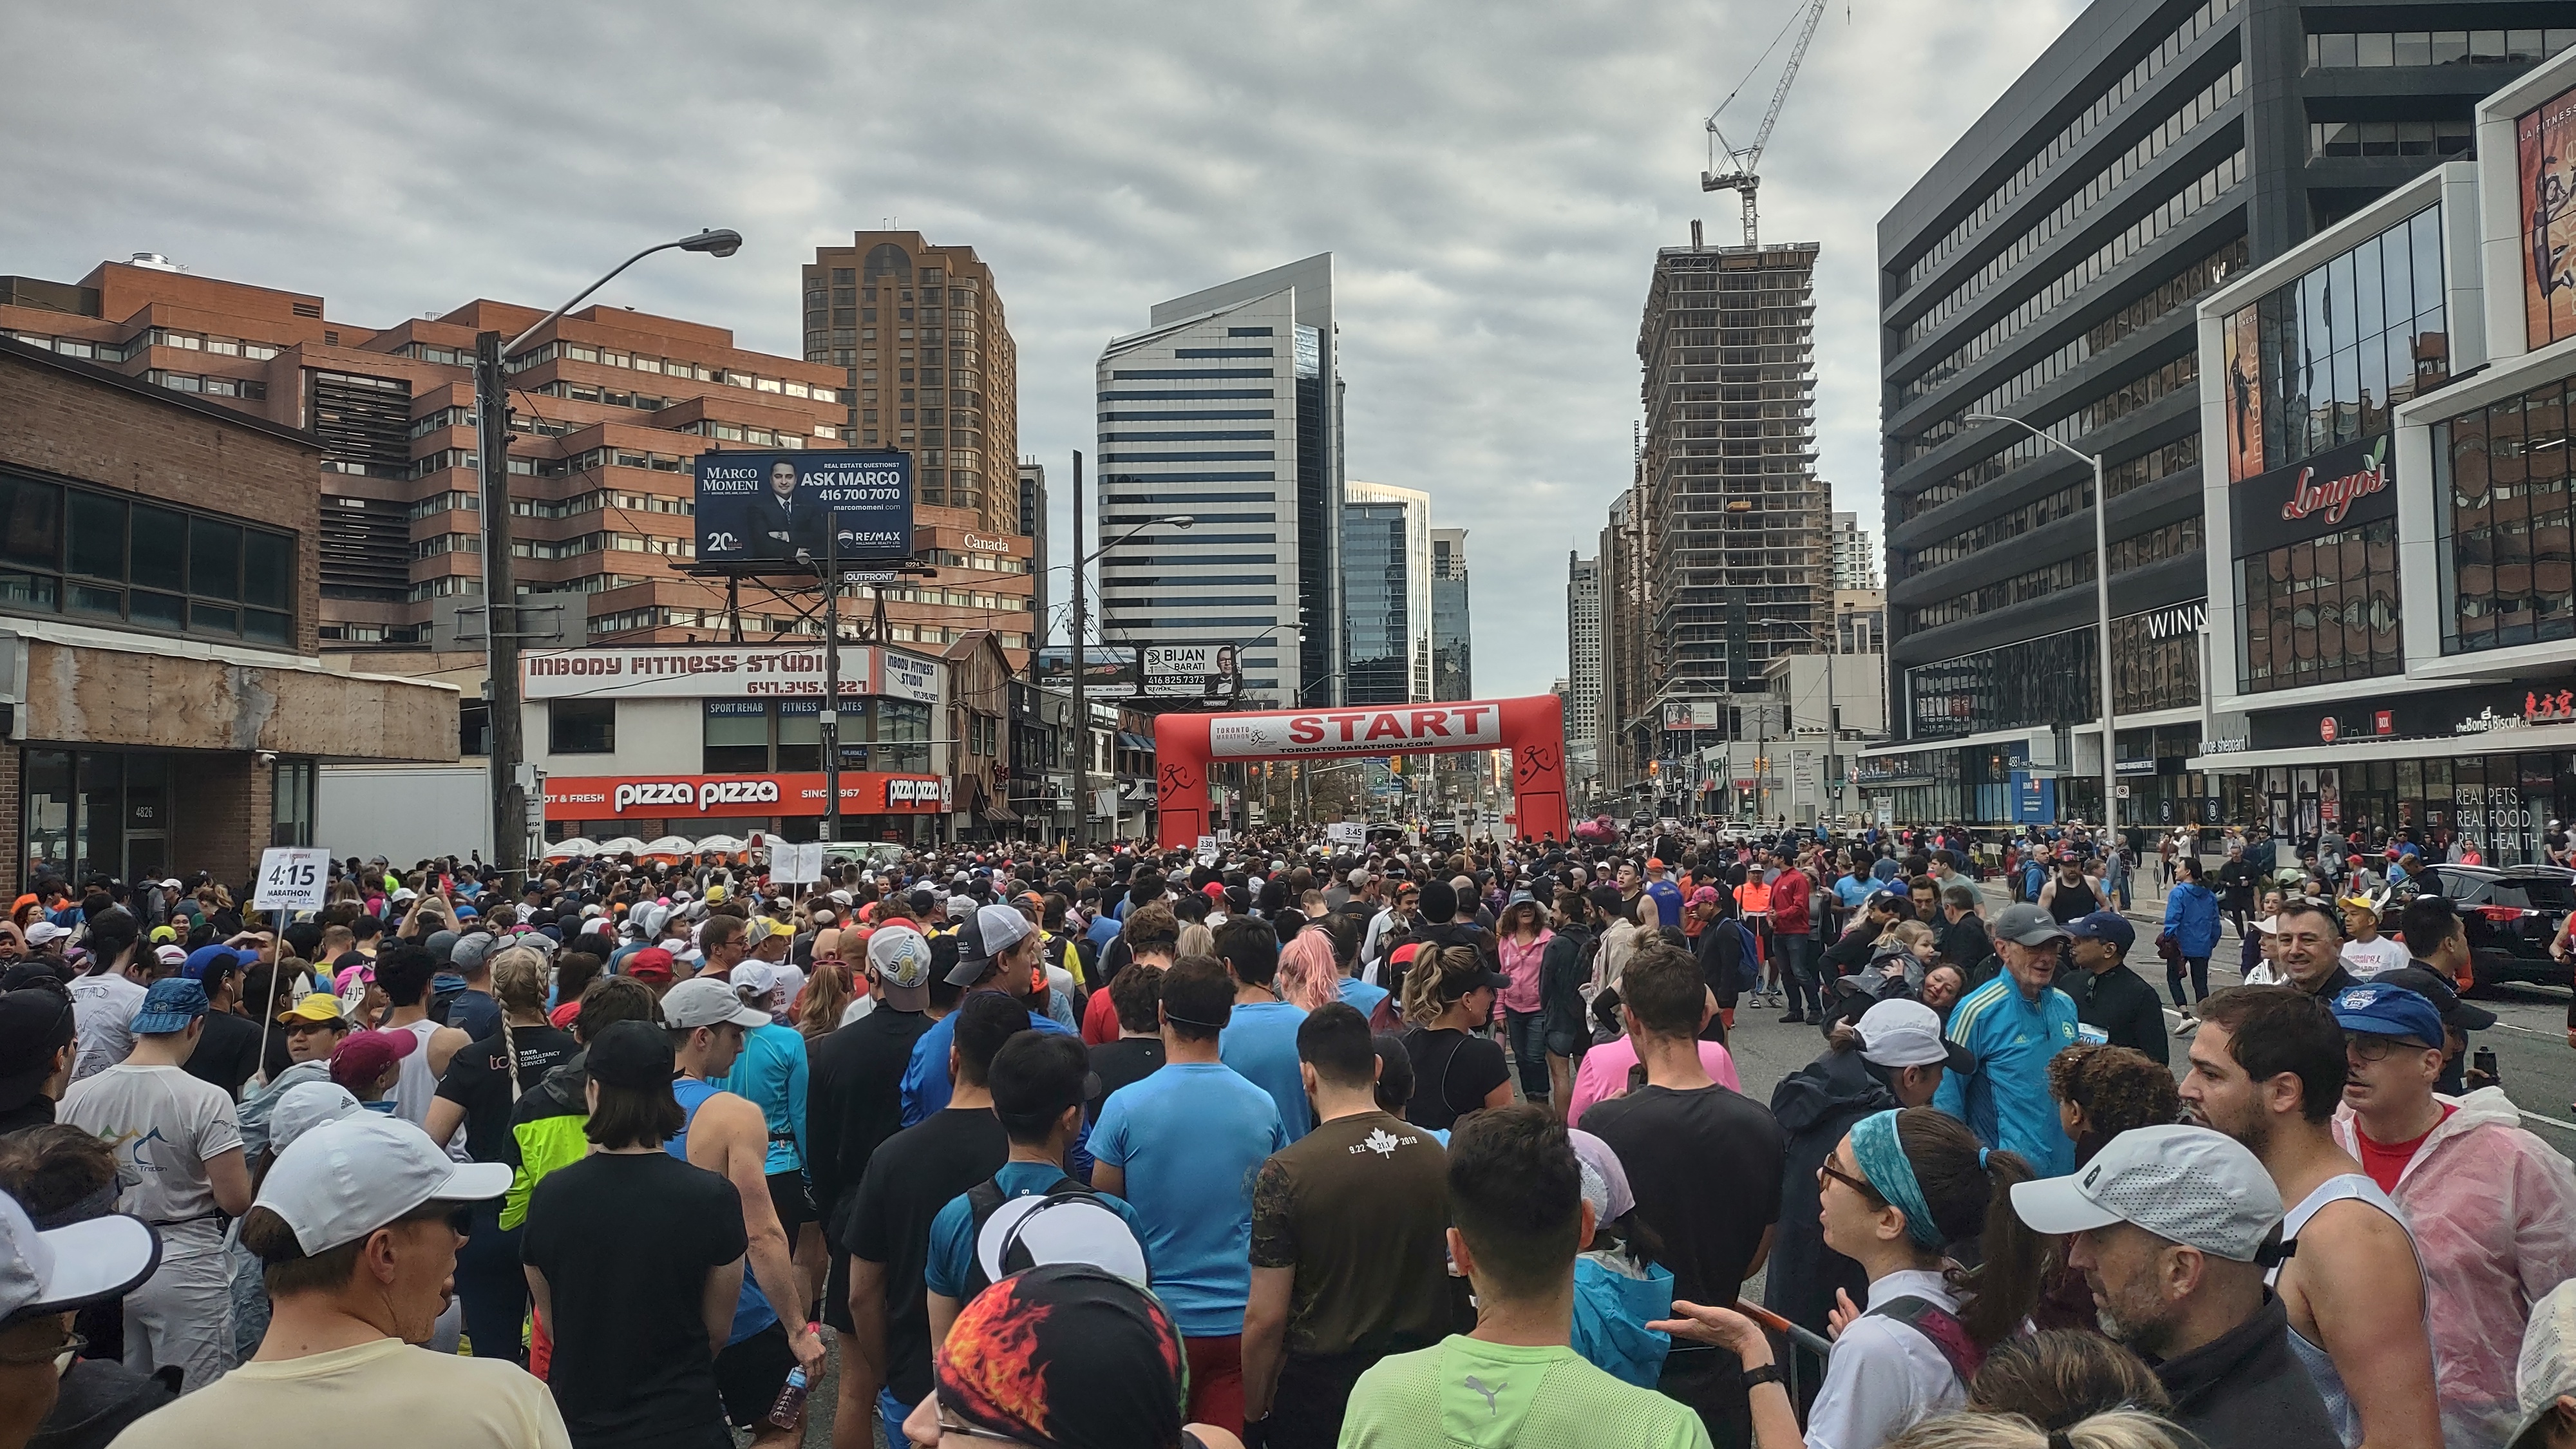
{"x": 103, "y": 1008}
{"x": 2366, "y": 959}
{"x": 312, "y": 1403}
{"x": 164, "y": 1126}
{"x": 1885, "y": 1377}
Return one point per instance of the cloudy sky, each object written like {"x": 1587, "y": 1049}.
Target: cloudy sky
{"x": 1493, "y": 181}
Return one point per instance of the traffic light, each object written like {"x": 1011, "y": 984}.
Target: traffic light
{"x": 1654, "y": 767}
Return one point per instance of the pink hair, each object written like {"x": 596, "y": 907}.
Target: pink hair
{"x": 1307, "y": 976}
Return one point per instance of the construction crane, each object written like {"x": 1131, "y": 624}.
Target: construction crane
{"x": 1741, "y": 162}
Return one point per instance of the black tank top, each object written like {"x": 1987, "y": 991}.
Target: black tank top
{"x": 2072, "y": 903}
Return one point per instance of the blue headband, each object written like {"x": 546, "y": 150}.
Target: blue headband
{"x": 1882, "y": 1160}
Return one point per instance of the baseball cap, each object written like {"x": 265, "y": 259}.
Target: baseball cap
{"x": 45, "y": 933}
{"x": 170, "y": 1005}
{"x": 2189, "y": 1185}
{"x": 2435, "y": 988}
{"x": 2375, "y": 1008}
{"x": 362, "y": 1056}
{"x": 2026, "y": 925}
{"x": 650, "y": 964}
{"x": 471, "y": 951}
{"x": 35, "y": 1023}
{"x": 316, "y": 1006}
{"x": 960, "y": 907}
{"x": 705, "y": 1001}
{"x": 2547, "y": 1367}
{"x": 305, "y": 1106}
{"x": 900, "y": 956}
{"x": 992, "y": 931}
{"x": 1908, "y": 1034}
{"x": 210, "y": 958}
{"x": 1605, "y": 1181}
{"x": 1032, "y": 1232}
{"x": 173, "y": 957}
{"x": 633, "y": 1054}
{"x": 2108, "y": 926}
{"x": 758, "y": 978}
{"x": 73, "y": 1265}
{"x": 345, "y": 1179}
{"x": 165, "y": 935}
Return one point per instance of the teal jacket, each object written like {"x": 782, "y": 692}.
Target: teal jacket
{"x": 2004, "y": 1098}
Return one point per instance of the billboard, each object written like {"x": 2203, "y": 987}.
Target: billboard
{"x": 782, "y": 509}
{"x": 1109, "y": 668}
{"x": 672, "y": 797}
{"x": 1694, "y": 714}
{"x": 1208, "y": 672}
{"x": 692, "y": 671}
{"x": 2545, "y": 147}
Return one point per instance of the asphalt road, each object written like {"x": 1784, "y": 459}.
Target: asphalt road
{"x": 2530, "y": 1036}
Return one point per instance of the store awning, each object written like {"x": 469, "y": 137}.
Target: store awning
{"x": 999, "y": 811}
{"x": 2519, "y": 740}
{"x": 1131, "y": 741}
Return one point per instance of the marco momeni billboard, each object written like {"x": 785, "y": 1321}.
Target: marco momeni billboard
{"x": 783, "y": 508}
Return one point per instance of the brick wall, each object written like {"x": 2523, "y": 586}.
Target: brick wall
{"x": 63, "y": 419}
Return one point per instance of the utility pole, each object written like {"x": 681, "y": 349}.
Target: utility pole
{"x": 500, "y": 619}
{"x": 831, "y": 712}
{"x": 1081, "y": 709}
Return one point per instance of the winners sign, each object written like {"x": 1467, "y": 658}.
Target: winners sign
{"x": 783, "y": 509}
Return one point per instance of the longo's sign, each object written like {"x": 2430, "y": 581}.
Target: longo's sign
{"x": 613, "y": 797}
{"x": 2336, "y": 490}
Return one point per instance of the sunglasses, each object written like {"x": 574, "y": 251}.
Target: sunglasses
{"x": 1826, "y": 1169}
{"x": 60, "y": 1355}
{"x": 2371, "y": 1047}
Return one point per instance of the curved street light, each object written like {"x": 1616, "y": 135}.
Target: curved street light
{"x": 510, "y": 829}
{"x": 1081, "y": 706}
{"x": 2102, "y": 601}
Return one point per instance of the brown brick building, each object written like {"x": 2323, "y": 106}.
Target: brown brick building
{"x": 610, "y": 406}
{"x": 166, "y": 708}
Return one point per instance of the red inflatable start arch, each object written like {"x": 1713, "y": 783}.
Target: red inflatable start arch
{"x": 1533, "y": 729}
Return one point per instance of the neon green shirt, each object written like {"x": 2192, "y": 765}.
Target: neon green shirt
{"x": 1465, "y": 1391}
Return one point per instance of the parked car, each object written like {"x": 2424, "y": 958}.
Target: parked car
{"x": 2510, "y": 914}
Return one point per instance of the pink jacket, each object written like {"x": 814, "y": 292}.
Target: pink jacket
{"x": 2493, "y": 1210}
{"x": 1521, "y": 963}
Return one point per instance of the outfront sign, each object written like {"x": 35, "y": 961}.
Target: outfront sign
{"x": 1335, "y": 731}
{"x": 2338, "y": 489}
{"x": 679, "y": 797}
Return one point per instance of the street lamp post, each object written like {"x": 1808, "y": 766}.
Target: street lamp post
{"x": 2102, "y": 602}
{"x": 1081, "y": 704}
{"x": 500, "y": 588}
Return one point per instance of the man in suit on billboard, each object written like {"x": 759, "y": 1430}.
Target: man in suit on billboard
{"x": 780, "y": 525}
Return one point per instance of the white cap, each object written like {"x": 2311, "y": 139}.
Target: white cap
{"x": 1907, "y": 1034}
{"x": 76, "y": 1264}
{"x": 998, "y": 928}
{"x": 45, "y": 933}
{"x": 345, "y": 1179}
{"x": 171, "y": 955}
{"x": 757, "y": 977}
{"x": 305, "y": 1106}
{"x": 705, "y": 1001}
{"x": 2189, "y": 1185}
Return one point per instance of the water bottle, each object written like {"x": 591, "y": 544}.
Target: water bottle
{"x": 790, "y": 1404}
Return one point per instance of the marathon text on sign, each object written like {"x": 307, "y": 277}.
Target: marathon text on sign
{"x": 1340, "y": 731}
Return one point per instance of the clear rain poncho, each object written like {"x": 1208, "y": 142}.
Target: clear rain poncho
{"x": 2493, "y": 1209}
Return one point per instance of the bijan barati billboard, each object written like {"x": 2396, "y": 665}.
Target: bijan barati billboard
{"x": 782, "y": 509}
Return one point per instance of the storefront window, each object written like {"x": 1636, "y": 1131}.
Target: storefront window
{"x": 291, "y": 803}
{"x": 2155, "y": 664}
{"x": 902, "y": 738}
{"x": 737, "y": 736}
{"x": 581, "y": 727}
{"x": 100, "y": 812}
{"x": 50, "y": 807}
{"x": 800, "y": 733}
{"x": 2322, "y": 610}
{"x": 2501, "y": 493}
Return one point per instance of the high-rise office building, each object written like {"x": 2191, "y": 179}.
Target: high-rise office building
{"x": 1582, "y": 665}
{"x": 918, "y": 333}
{"x": 2046, "y": 269}
{"x": 1386, "y": 593}
{"x": 1626, "y": 725}
{"x": 1733, "y": 518}
{"x": 1228, "y": 409}
{"x": 1453, "y": 651}
{"x": 1855, "y": 564}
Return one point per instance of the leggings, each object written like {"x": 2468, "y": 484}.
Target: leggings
{"x": 492, "y": 1287}
{"x": 1527, "y": 1031}
{"x": 2199, "y": 966}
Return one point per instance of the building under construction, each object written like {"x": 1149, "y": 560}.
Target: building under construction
{"x": 1734, "y": 526}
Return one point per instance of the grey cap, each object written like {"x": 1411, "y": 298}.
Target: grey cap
{"x": 441, "y": 945}
{"x": 2027, "y": 925}
{"x": 2188, "y": 1185}
{"x": 471, "y": 951}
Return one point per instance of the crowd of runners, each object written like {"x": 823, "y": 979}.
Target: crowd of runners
{"x": 1288, "y": 1143}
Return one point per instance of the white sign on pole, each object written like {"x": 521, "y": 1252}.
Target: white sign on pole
{"x": 1207, "y": 849}
{"x": 1346, "y": 834}
{"x": 292, "y": 878}
{"x": 795, "y": 864}
{"x": 2121, "y": 792}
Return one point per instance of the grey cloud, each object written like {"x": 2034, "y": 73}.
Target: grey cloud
{"x": 1492, "y": 179}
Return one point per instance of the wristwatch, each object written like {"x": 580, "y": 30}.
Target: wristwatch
{"x": 1769, "y": 1373}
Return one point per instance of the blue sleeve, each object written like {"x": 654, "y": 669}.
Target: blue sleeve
{"x": 952, "y": 1249}
{"x": 1951, "y": 1097}
{"x": 2173, "y": 909}
{"x": 1278, "y": 1129}
{"x": 1135, "y": 1225}
{"x": 799, "y": 1077}
{"x": 1109, "y": 1135}
{"x": 916, "y": 1081}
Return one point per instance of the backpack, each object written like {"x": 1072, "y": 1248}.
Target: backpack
{"x": 1748, "y": 960}
{"x": 1942, "y": 1327}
